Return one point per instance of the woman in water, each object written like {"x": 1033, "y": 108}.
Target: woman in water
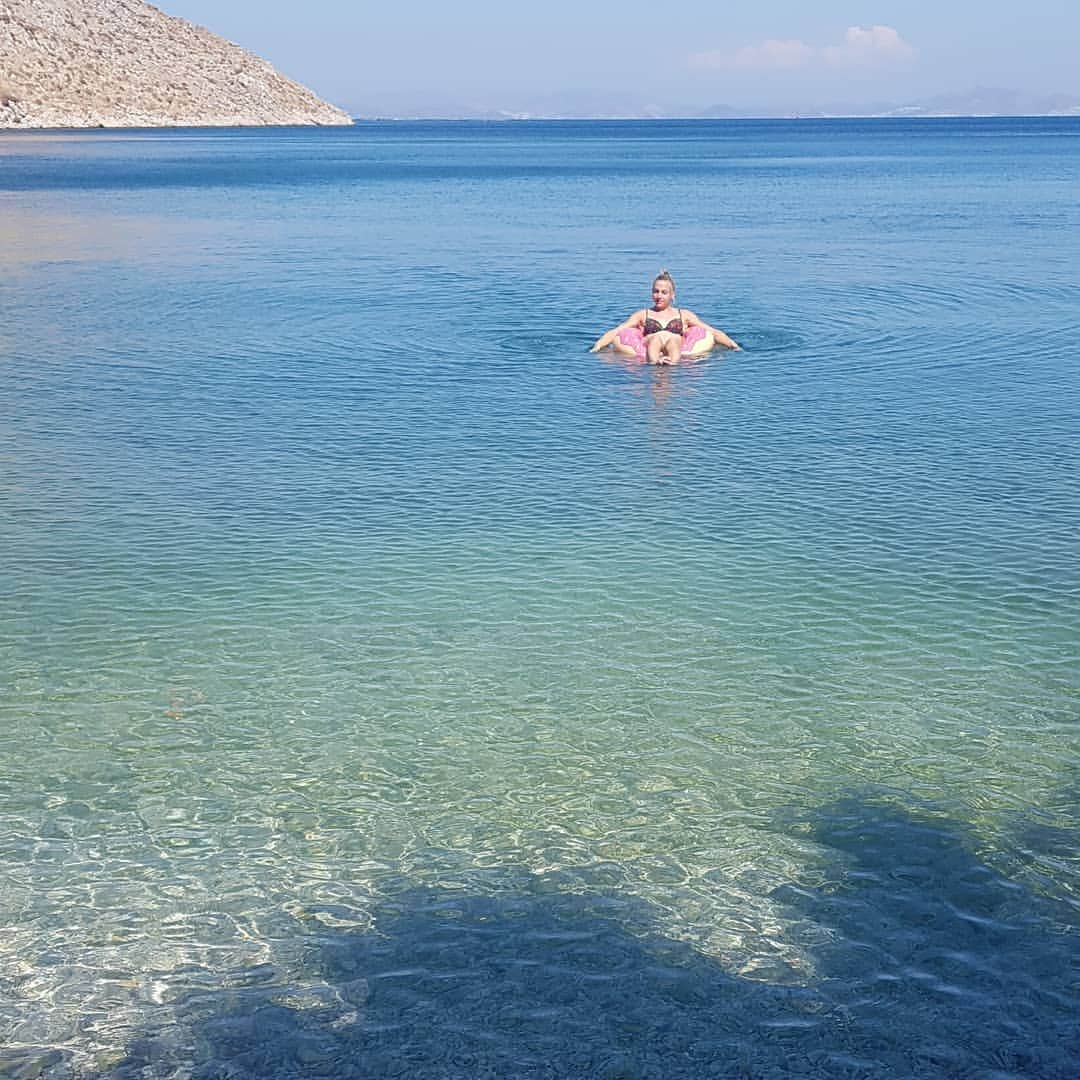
{"x": 661, "y": 329}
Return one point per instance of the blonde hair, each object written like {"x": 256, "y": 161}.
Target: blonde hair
{"x": 665, "y": 276}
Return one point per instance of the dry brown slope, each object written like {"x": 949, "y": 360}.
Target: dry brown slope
{"x": 124, "y": 63}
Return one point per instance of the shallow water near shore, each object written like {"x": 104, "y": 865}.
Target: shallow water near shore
{"x": 393, "y": 688}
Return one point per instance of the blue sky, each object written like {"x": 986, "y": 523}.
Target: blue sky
{"x": 419, "y": 56}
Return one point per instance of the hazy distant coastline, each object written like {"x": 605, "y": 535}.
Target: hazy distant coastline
{"x": 976, "y": 102}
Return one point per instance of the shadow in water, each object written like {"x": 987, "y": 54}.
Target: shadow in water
{"x": 932, "y": 953}
{"x": 1050, "y": 851}
{"x": 928, "y": 963}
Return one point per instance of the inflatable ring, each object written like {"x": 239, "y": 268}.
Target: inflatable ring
{"x": 697, "y": 341}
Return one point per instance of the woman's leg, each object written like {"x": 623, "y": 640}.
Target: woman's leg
{"x": 673, "y": 348}
{"x": 664, "y": 348}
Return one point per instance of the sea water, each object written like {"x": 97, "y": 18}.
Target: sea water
{"x": 390, "y": 687}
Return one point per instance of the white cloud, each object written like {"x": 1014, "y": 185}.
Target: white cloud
{"x": 867, "y": 46}
{"x": 861, "y": 47}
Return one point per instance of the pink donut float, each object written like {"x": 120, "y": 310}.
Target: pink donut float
{"x": 631, "y": 342}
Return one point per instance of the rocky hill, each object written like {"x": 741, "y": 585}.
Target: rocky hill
{"x": 123, "y": 63}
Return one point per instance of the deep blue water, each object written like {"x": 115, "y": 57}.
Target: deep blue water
{"x": 394, "y": 688}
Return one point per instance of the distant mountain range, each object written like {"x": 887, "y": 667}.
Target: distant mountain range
{"x": 981, "y": 101}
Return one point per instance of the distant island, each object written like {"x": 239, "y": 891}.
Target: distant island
{"x": 980, "y": 101}
{"x": 124, "y": 63}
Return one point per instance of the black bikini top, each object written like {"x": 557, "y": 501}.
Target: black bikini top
{"x": 653, "y": 327}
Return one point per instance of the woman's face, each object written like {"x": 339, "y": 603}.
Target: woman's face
{"x": 662, "y": 294}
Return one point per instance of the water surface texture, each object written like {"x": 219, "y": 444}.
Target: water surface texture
{"x": 389, "y": 687}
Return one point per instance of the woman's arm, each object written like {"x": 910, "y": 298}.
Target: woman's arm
{"x": 637, "y": 319}
{"x": 718, "y": 335}
{"x": 606, "y": 340}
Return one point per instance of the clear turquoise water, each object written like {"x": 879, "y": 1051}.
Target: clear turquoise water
{"x": 392, "y": 688}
